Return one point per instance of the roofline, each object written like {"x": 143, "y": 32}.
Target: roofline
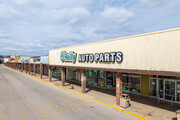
{"x": 115, "y": 39}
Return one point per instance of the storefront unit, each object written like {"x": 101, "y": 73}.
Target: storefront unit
{"x": 165, "y": 88}
{"x": 45, "y": 70}
{"x": 130, "y": 64}
{"x": 12, "y": 59}
{"x": 44, "y": 60}
{"x": 6, "y": 60}
{"x": 31, "y": 64}
{"x": 23, "y": 59}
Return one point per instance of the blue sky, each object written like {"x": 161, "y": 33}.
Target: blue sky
{"x": 32, "y": 27}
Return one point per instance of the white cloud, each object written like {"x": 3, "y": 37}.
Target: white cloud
{"x": 25, "y": 23}
{"x": 118, "y": 15}
{"x": 160, "y": 3}
{"x": 10, "y": 49}
{"x": 7, "y": 11}
{"x": 21, "y": 2}
{"x": 6, "y": 35}
{"x": 21, "y": 44}
{"x": 53, "y": 4}
{"x": 71, "y": 15}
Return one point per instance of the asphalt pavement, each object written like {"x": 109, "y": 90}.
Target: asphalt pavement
{"x": 25, "y": 98}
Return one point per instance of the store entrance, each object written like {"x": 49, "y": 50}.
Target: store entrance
{"x": 166, "y": 89}
{"x": 169, "y": 90}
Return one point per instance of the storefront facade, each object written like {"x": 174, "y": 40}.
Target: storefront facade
{"x": 149, "y": 64}
{"x": 44, "y": 60}
{"x": 23, "y": 59}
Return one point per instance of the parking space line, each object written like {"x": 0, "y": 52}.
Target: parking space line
{"x": 70, "y": 104}
{"x": 81, "y": 100}
{"x": 21, "y": 115}
{"x": 41, "y": 112}
{"x": 56, "y": 108}
{"x": 0, "y": 116}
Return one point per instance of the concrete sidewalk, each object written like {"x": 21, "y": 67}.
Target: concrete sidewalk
{"x": 143, "y": 106}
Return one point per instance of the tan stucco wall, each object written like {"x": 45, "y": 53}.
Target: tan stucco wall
{"x": 158, "y": 51}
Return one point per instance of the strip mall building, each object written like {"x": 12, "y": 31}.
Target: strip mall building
{"x": 147, "y": 64}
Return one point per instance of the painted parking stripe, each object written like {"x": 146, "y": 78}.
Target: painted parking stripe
{"x": 41, "y": 112}
{"x": 56, "y": 108}
{"x": 143, "y": 118}
{"x": 70, "y": 104}
{"x": 81, "y": 100}
{"x": 21, "y": 115}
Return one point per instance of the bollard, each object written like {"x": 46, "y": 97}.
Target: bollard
{"x": 178, "y": 114}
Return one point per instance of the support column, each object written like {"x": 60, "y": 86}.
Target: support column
{"x": 25, "y": 67}
{"x": 83, "y": 81}
{"x": 41, "y": 71}
{"x": 29, "y": 68}
{"x": 19, "y": 66}
{"x": 16, "y": 66}
{"x": 22, "y": 67}
{"x": 34, "y": 69}
{"x": 63, "y": 76}
{"x": 50, "y": 74}
{"x": 118, "y": 87}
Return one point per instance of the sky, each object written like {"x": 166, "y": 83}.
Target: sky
{"x": 33, "y": 27}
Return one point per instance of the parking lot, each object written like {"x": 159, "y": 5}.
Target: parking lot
{"x": 25, "y": 98}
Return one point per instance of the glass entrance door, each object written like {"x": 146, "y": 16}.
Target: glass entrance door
{"x": 178, "y": 91}
{"x": 153, "y": 87}
{"x": 161, "y": 88}
{"x": 170, "y": 90}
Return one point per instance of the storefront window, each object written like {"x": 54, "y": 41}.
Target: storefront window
{"x": 131, "y": 82}
{"x": 178, "y": 91}
{"x": 134, "y": 84}
{"x": 153, "y": 87}
{"x": 95, "y": 77}
{"x": 32, "y": 68}
{"x": 161, "y": 89}
{"x": 109, "y": 79}
{"x": 45, "y": 70}
{"x": 27, "y": 67}
{"x": 89, "y": 77}
{"x": 56, "y": 72}
{"x": 170, "y": 90}
{"x": 125, "y": 82}
{"x": 101, "y": 78}
{"x": 92, "y": 77}
{"x": 73, "y": 74}
{"x": 38, "y": 69}
{"x": 59, "y": 73}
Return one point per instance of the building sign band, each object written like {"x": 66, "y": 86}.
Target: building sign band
{"x": 97, "y": 57}
{"x": 68, "y": 57}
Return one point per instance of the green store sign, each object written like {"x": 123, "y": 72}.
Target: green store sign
{"x": 68, "y": 57}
